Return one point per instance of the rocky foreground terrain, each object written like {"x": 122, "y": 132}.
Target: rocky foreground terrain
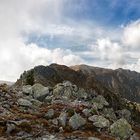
{"x": 59, "y": 103}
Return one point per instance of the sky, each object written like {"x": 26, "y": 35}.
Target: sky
{"x": 102, "y": 33}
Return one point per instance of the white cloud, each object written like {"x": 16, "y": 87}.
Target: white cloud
{"x": 17, "y": 57}
{"x": 109, "y": 52}
{"x": 131, "y": 36}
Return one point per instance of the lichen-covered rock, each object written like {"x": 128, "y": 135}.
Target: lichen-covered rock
{"x": 36, "y": 103}
{"x": 76, "y": 121}
{"x": 63, "y": 118}
{"x": 48, "y": 99}
{"x": 87, "y": 112}
{"x": 40, "y": 92}
{"x": 81, "y": 94}
{"x": 121, "y": 129}
{"x": 27, "y": 90}
{"x": 109, "y": 113}
{"x": 24, "y": 102}
{"x": 99, "y": 102}
{"x": 99, "y": 121}
{"x": 126, "y": 114}
{"x": 58, "y": 90}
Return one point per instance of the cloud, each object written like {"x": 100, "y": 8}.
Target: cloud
{"x": 131, "y": 36}
{"x": 109, "y": 52}
{"x": 17, "y": 57}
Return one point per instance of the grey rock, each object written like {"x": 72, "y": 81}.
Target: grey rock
{"x": 81, "y": 94}
{"x": 63, "y": 118}
{"x": 27, "y": 90}
{"x": 99, "y": 121}
{"x": 67, "y": 84}
{"x": 40, "y": 92}
{"x": 76, "y": 121}
{"x": 48, "y": 99}
{"x": 121, "y": 129}
{"x": 109, "y": 113}
{"x": 58, "y": 90}
{"x": 49, "y": 114}
{"x": 10, "y": 128}
{"x": 36, "y": 103}
{"x": 55, "y": 121}
{"x": 24, "y": 102}
{"x": 87, "y": 112}
{"x": 99, "y": 102}
{"x": 126, "y": 114}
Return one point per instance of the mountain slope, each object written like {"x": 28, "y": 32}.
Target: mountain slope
{"x": 120, "y": 81}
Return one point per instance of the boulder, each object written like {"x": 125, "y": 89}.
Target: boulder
{"x": 99, "y": 102}
{"x": 40, "y": 92}
{"x": 99, "y": 121}
{"x": 63, "y": 118}
{"x": 27, "y": 90}
{"x": 24, "y": 102}
{"x": 126, "y": 114}
{"x": 76, "y": 121}
{"x": 121, "y": 129}
{"x": 109, "y": 113}
{"x": 86, "y": 112}
{"x": 81, "y": 94}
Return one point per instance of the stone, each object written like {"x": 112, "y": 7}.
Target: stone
{"x": 67, "y": 84}
{"x": 126, "y": 114}
{"x": 87, "y": 112}
{"x": 99, "y": 121}
{"x": 81, "y": 94}
{"x": 10, "y": 128}
{"x": 121, "y": 129}
{"x": 58, "y": 90}
{"x": 63, "y": 118}
{"x": 76, "y": 121}
{"x": 40, "y": 92}
{"x": 48, "y": 99}
{"x": 55, "y": 121}
{"x": 109, "y": 113}
{"x": 49, "y": 114}
{"x": 99, "y": 102}
{"x": 36, "y": 103}
{"x": 27, "y": 90}
{"x": 24, "y": 102}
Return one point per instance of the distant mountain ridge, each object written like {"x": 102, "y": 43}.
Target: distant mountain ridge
{"x": 124, "y": 83}
{"x": 121, "y": 81}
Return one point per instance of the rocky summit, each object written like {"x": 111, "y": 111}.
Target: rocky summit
{"x": 59, "y": 103}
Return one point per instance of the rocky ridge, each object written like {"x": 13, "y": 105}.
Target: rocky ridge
{"x": 62, "y": 112}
